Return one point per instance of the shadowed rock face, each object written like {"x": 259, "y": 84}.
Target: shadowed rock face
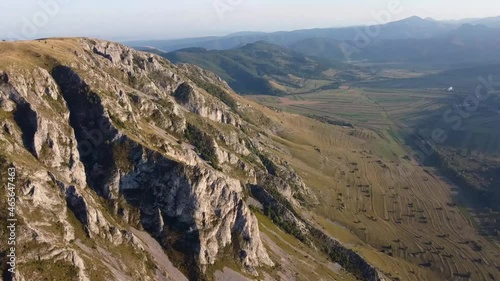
{"x": 26, "y": 119}
{"x": 93, "y": 130}
{"x": 4, "y": 78}
{"x": 176, "y": 202}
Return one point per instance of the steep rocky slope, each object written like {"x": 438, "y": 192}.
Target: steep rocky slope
{"x": 113, "y": 147}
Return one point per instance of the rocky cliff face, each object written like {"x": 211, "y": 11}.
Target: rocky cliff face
{"x": 108, "y": 141}
{"x": 95, "y": 134}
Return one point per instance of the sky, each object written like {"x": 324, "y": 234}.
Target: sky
{"x": 167, "y": 19}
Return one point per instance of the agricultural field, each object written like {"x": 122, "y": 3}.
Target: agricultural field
{"x": 372, "y": 108}
{"x": 351, "y": 105}
{"x": 383, "y": 204}
{"x": 400, "y": 112}
{"x": 406, "y": 219}
{"x": 412, "y": 220}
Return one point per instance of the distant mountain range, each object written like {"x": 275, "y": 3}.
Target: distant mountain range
{"x": 409, "y": 28}
{"x": 287, "y": 62}
{"x": 466, "y": 44}
{"x": 409, "y": 40}
{"x": 489, "y": 22}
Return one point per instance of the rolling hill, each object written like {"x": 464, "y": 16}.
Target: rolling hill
{"x": 409, "y": 40}
{"x": 413, "y": 27}
{"x": 467, "y": 44}
{"x": 264, "y": 68}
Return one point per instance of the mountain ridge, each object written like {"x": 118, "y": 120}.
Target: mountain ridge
{"x": 262, "y": 67}
{"x": 284, "y": 38}
{"x": 108, "y": 141}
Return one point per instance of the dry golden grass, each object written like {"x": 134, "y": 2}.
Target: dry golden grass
{"x": 371, "y": 199}
{"x": 347, "y": 104}
{"x": 41, "y": 53}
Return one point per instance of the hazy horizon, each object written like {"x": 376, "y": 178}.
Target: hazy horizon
{"x": 169, "y": 20}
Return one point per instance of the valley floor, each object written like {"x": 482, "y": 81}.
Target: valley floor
{"x": 377, "y": 200}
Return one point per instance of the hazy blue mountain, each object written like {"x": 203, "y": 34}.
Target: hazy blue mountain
{"x": 413, "y": 27}
{"x": 490, "y": 22}
{"x": 493, "y": 22}
{"x": 466, "y": 44}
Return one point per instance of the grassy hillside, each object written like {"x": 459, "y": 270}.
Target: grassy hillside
{"x": 374, "y": 197}
{"x": 263, "y": 68}
{"x": 408, "y": 110}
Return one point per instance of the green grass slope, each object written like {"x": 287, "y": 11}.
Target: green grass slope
{"x": 261, "y": 68}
